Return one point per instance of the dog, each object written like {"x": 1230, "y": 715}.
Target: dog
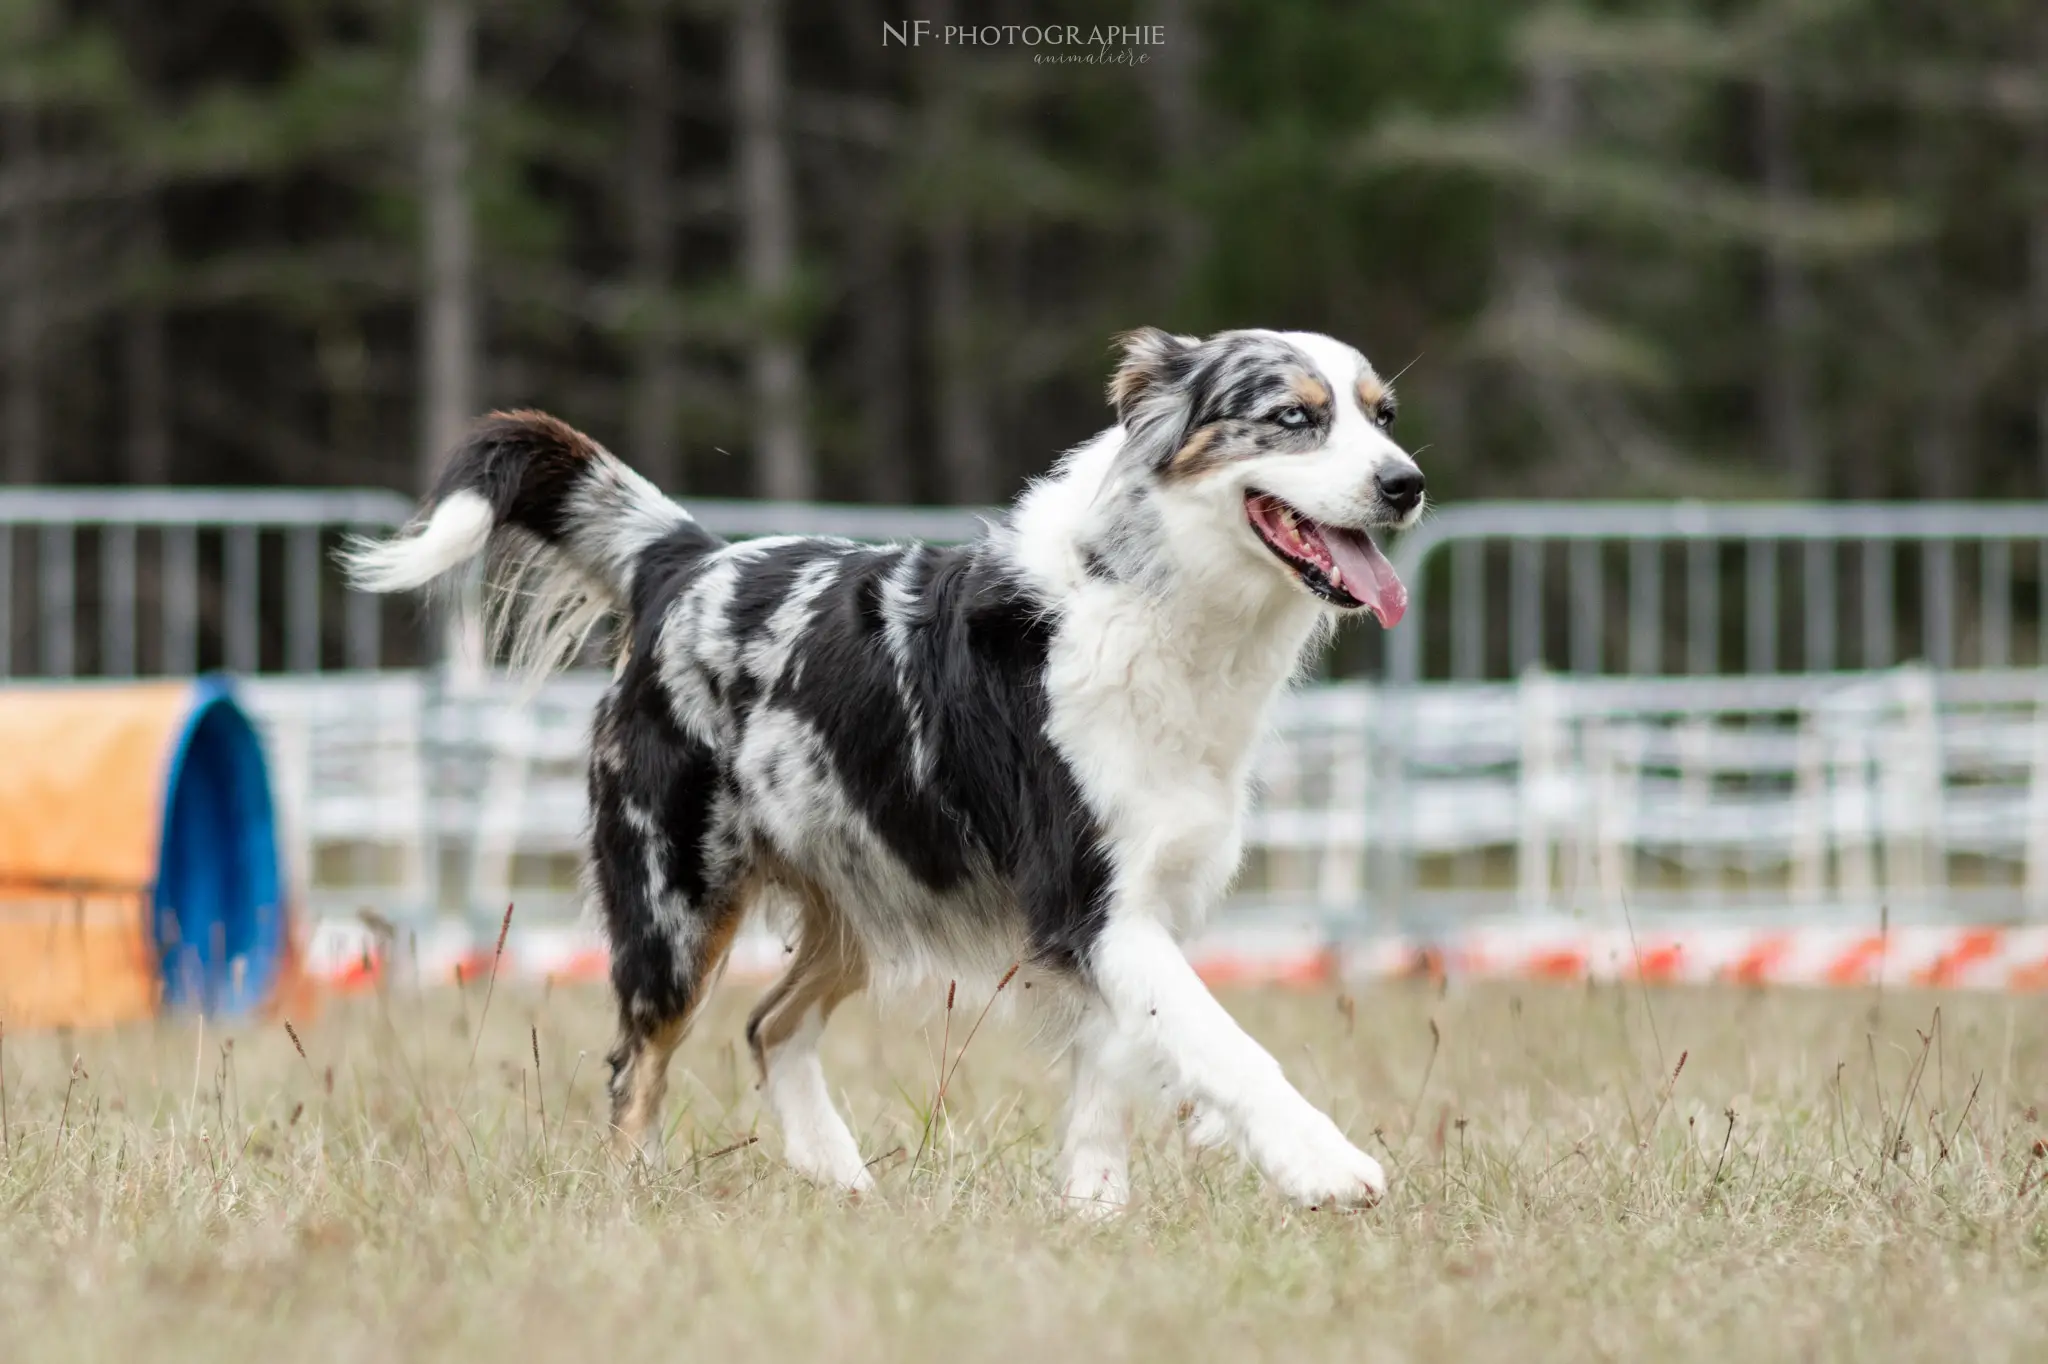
{"x": 1027, "y": 754}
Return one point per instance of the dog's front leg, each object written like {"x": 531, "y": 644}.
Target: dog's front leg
{"x": 1159, "y": 1007}
{"x": 1095, "y": 1154}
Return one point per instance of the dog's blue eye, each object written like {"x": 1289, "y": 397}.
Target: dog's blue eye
{"x": 1383, "y": 416}
{"x": 1293, "y": 418}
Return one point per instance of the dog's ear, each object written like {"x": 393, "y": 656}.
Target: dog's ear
{"x": 1154, "y": 362}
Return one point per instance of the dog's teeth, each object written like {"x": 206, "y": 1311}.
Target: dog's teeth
{"x": 1336, "y": 576}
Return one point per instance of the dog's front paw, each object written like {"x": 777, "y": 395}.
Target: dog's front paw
{"x": 1315, "y": 1165}
{"x": 1205, "y": 1127}
{"x": 1095, "y": 1175}
{"x": 1095, "y": 1190}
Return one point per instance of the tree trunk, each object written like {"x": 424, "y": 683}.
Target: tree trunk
{"x": 1787, "y": 377}
{"x": 768, "y": 250}
{"x": 448, "y": 365}
{"x": 883, "y": 326}
{"x": 2037, "y": 293}
{"x": 1938, "y": 442}
{"x": 1536, "y": 284}
{"x": 866, "y": 182}
{"x": 1176, "y": 106}
{"x": 652, "y": 423}
{"x": 144, "y": 365}
{"x": 24, "y": 279}
{"x": 966, "y": 451}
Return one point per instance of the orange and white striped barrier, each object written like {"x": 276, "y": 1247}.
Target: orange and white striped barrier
{"x": 350, "y": 955}
{"x": 1958, "y": 957}
{"x": 346, "y": 955}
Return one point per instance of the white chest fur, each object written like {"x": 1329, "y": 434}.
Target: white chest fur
{"x": 1158, "y": 712}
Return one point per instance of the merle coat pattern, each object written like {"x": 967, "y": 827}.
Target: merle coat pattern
{"x": 937, "y": 762}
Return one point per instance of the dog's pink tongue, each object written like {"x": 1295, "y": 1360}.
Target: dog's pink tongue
{"x": 1367, "y": 574}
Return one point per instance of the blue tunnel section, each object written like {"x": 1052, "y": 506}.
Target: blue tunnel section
{"x": 219, "y": 895}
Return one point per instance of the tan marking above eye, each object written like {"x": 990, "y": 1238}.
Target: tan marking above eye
{"x": 1312, "y": 391}
{"x": 1371, "y": 393}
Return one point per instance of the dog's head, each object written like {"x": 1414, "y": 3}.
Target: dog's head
{"x": 1277, "y": 443}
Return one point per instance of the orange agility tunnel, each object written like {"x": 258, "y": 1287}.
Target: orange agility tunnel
{"x": 139, "y": 861}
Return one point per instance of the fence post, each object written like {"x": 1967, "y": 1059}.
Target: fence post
{"x": 1346, "y": 857}
{"x": 117, "y": 601}
{"x": 1913, "y": 780}
{"x": 1809, "y": 817}
{"x": 508, "y": 740}
{"x": 1696, "y": 790}
{"x": 6, "y": 601}
{"x": 1645, "y": 607}
{"x": 2037, "y": 814}
{"x": 1617, "y": 764}
{"x": 180, "y": 607}
{"x": 1588, "y": 629}
{"x": 1537, "y": 789}
{"x": 57, "y": 587}
{"x": 1855, "y": 833}
{"x": 1390, "y": 848}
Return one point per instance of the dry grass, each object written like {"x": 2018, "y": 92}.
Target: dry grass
{"x": 1817, "y": 1183}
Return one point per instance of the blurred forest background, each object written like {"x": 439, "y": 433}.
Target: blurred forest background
{"x": 1764, "y": 249}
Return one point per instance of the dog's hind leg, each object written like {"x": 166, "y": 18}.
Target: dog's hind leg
{"x": 784, "y": 1031}
{"x": 673, "y": 894}
{"x": 660, "y": 980}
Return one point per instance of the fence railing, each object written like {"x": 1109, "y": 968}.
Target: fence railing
{"x": 1681, "y": 587}
{"x": 1909, "y": 794}
{"x": 121, "y": 582}
{"x": 117, "y": 582}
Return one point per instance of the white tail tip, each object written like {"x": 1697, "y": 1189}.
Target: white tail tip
{"x": 453, "y": 535}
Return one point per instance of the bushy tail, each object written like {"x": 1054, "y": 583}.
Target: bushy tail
{"x": 560, "y": 521}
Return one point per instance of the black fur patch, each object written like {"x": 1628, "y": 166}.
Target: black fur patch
{"x": 525, "y": 464}
{"x": 921, "y": 673}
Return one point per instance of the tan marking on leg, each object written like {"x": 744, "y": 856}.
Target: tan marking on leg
{"x": 823, "y": 981}
{"x": 828, "y": 969}
{"x": 717, "y": 941}
{"x": 637, "y": 1103}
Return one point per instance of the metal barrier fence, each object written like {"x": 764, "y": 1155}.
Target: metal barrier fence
{"x": 1684, "y": 587}
{"x": 1908, "y": 794}
{"x": 116, "y": 582}
{"x": 120, "y": 582}
{"x": 125, "y": 582}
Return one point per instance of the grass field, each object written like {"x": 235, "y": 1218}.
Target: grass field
{"x": 1831, "y": 1176}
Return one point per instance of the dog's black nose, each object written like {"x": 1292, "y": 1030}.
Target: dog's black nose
{"x": 1400, "y": 488}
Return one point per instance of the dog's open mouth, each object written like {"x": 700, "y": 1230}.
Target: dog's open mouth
{"x": 1340, "y": 564}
